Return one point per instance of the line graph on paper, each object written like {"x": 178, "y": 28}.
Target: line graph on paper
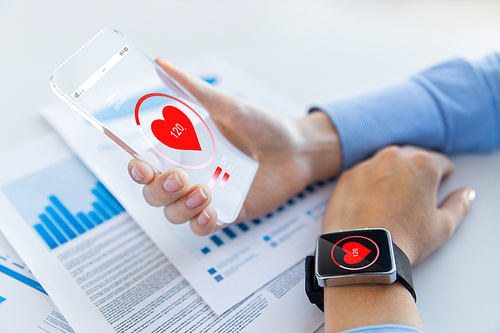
{"x": 12, "y": 266}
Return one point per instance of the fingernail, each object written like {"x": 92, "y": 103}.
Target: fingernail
{"x": 138, "y": 177}
{"x": 196, "y": 198}
{"x": 203, "y": 219}
{"x": 172, "y": 183}
{"x": 471, "y": 195}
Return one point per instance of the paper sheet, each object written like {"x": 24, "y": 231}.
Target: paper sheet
{"x": 236, "y": 261}
{"x": 24, "y": 305}
{"x": 102, "y": 271}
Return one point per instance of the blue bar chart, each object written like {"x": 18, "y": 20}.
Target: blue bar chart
{"x": 65, "y": 201}
{"x": 230, "y": 233}
{"x": 272, "y": 237}
{"x": 58, "y": 225}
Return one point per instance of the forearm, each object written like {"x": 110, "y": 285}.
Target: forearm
{"x": 453, "y": 107}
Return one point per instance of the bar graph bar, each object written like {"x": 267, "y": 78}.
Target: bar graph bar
{"x": 226, "y": 235}
{"x": 66, "y": 213}
{"x": 229, "y": 232}
{"x": 224, "y": 179}
{"x": 58, "y": 223}
{"x": 242, "y": 226}
{"x": 216, "y": 175}
{"x": 95, "y": 218}
{"x": 104, "y": 201}
{"x": 109, "y": 197}
{"x": 53, "y": 229}
{"x": 46, "y": 236}
{"x": 216, "y": 240}
{"x": 99, "y": 209}
{"x": 85, "y": 220}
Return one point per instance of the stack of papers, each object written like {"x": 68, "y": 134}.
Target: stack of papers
{"x": 111, "y": 263}
{"x": 83, "y": 252}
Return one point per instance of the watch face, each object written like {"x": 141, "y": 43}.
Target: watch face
{"x": 354, "y": 252}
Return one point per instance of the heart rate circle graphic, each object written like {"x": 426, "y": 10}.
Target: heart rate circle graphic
{"x": 355, "y": 253}
{"x": 173, "y": 129}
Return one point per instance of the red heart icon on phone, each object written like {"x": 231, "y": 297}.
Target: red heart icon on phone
{"x": 355, "y": 252}
{"x": 175, "y": 130}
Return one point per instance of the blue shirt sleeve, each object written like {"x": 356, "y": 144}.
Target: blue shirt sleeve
{"x": 391, "y": 328}
{"x": 453, "y": 107}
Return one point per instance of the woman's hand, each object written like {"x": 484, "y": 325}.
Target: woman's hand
{"x": 396, "y": 189}
{"x": 292, "y": 154}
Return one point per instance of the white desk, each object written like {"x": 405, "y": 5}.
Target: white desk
{"x": 310, "y": 51}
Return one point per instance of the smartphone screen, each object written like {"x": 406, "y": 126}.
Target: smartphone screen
{"x": 133, "y": 101}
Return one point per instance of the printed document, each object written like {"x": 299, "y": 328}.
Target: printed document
{"x": 431, "y": 277}
{"x": 24, "y": 304}
{"x": 236, "y": 261}
{"x": 101, "y": 270}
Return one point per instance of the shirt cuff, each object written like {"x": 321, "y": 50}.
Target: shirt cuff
{"x": 389, "y": 328}
{"x": 395, "y": 115}
{"x": 465, "y": 96}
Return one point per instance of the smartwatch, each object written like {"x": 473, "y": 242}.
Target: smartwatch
{"x": 356, "y": 257}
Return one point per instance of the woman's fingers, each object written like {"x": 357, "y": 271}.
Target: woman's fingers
{"x": 140, "y": 172}
{"x": 195, "y": 200}
{"x": 205, "y": 222}
{"x": 453, "y": 210}
{"x": 167, "y": 188}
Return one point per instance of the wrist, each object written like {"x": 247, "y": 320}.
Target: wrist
{"x": 353, "y": 274}
{"x": 355, "y": 306}
{"x": 320, "y": 146}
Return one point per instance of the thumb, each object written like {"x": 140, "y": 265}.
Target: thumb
{"x": 453, "y": 209}
{"x": 213, "y": 100}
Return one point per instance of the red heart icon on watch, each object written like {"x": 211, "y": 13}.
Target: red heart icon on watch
{"x": 175, "y": 130}
{"x": 355, "y": 252}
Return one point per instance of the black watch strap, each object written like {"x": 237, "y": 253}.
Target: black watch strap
{"x": 315, "y": 293}
{"x": 403, "y": 266}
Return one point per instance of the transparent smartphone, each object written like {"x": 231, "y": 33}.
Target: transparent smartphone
{"x": 133, "y": 101}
